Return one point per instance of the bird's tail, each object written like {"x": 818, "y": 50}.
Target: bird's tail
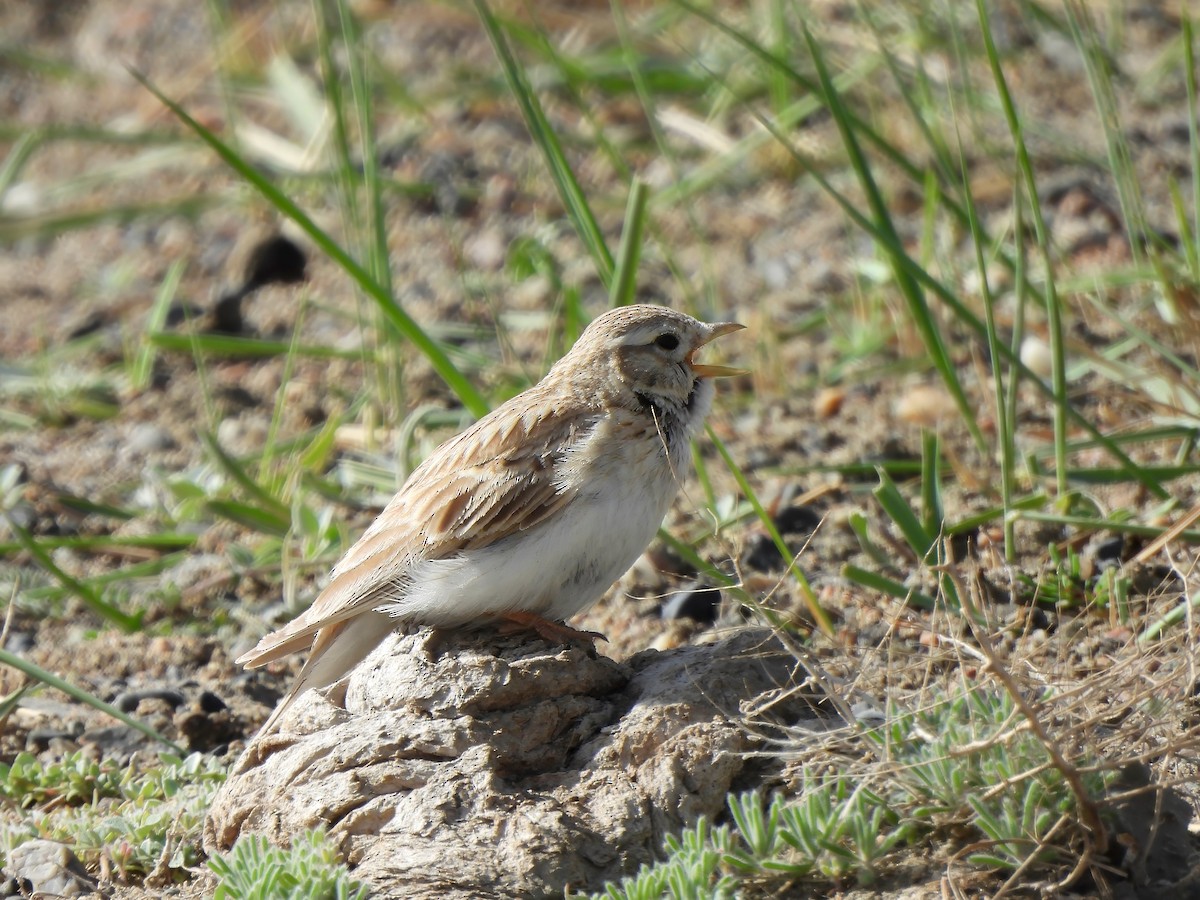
{"x": 336, "y": 649}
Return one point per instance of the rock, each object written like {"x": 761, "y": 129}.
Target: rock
{"x": 760, "y": 553}
{"x": 48, "y": 868}
{"x": 456, "y": 765}
{"x": 275, "y": 260}
{"x": 127, "y": 701}
{"x": 1156, "y": 846}
{"x": 146, "y": 438}
{"x": 211, "y": 703}
{"x": 693, "y": 602}
{"x": 486, "y": 250}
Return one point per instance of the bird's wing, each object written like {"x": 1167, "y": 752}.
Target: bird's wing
{"x": 495, "y": 479}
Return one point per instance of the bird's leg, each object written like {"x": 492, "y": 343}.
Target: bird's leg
{"x": 555, "y": 632}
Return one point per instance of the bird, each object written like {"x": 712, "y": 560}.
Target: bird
{"x": 527, "y": 517}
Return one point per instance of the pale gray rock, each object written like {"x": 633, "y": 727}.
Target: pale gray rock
{"x": 48, "y": 868}
{"x": 456, "y": 765}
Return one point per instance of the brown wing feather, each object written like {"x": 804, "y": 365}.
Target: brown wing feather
{"x": 491, "y": 481}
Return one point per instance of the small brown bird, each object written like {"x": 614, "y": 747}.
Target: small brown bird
{"x": 529, "y": 515}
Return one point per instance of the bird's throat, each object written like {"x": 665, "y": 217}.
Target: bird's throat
{"x": 649, "y": 406}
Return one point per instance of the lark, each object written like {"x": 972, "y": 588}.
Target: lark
{"x": 529, "y": 516}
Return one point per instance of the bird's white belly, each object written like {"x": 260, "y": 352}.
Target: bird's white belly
{"x": 554, "y": 570}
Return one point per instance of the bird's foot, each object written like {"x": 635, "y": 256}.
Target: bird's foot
{"x": 555, "y": 632}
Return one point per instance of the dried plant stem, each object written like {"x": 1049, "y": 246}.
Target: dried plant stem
{"x": 1089, "y": 815}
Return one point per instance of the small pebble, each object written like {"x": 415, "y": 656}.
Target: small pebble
{"x": 275, "y": 260}
{"x": 760, "y": 553}
{"x": 118, "y": 742}
{"x": 22, "y": 514}
{"x": 700, "y": 604}
{"x": 1035, "y": 354}
{"x": 828, "y": 402}
{"x": 925, "y": 405}
{"x": 127, "y": 701}
{"x": 486, "y": 250}
{"x": 146, "y": 438}
{"x": 776, "y": 273}
{"x": 49, "y": 868}
{"x": 40, "y": 739}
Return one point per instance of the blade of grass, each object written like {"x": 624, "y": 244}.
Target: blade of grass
{"x": 22, "y": 150}
{"x": 569, "y": 190}
{"x": 77, "y": 693}
{"x": 927, "y": 544}
{"x": 393, "y": 313}
{"x": 933, "y": 516}
{"x": 1006, "y": 424}
{"x": 123, "y": 575}
{"x": 624, "y": 284}
{"x": 919, "y": 540}
{"x": 889, "y": 586}
{"x": 84, "y": 592}
{"x": 1098, "y": 65}
{"x": 268, "y": 503}
{"x": 910, "y": 288}
{"x": 107, "y": 543}
{"x": 1013, "y": 352}
{"x": 143, "y": 365}
{"x": 1189, "y": 73}
{"x": 1053, "y": 306}
{"x": 688, "y": 554}
{"x": 256, "y": 518}
{"x": 810, "y": 598}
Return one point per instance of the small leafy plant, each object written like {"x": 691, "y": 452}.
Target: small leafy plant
{"x": 254, "y": 869}
{"x": 140, "y": 820}
{"x": 960, "y": 767}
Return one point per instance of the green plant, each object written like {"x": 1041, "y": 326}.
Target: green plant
{"x": 254, "y": 869}
{"x": 139, "y": 819}
{"x": 74, "y": 780}
{"x": 960, "y": 769}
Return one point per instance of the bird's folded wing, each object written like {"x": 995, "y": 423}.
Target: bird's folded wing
{"x": 479, "y": 488}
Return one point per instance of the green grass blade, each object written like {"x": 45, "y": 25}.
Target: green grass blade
{"x": 143, "y": 365}
{"x": 256, "y": 518}
{"x": 901, "y": 513}
{"x": 1189, "y": 72}
{"x": 910, "y": 288}
{"x": 1054, "y": 321}
{"x": 569, "y": 190}
{"x": 1098, "y": 65}
{"x": 393, "y": 313}
{"x": 688, "y": 554}
{"x": 78, "y": 693}
{"x": 810, "y": 598}
{"x": 22, "y": 150}
{"x": 234, "y": 469}
{"x": 889, "y": 586}
{"x": 933, "y": 516}
{"x": 83, "y": 591}
{"x": 106, "y": 543}
{"x": 623, "y": 290}
{"x": 1006, "y": 419}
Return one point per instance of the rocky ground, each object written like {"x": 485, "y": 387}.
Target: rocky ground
{"x": 104, "y": 203}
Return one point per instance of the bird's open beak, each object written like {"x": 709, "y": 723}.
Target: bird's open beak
{"x": 703, "y": 371}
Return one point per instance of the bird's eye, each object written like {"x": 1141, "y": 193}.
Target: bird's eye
{"x": 667, "y": 341}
